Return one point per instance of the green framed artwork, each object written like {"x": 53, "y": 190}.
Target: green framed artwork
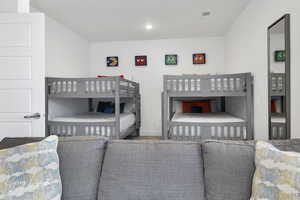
{"x": 280, "y": 56}
{"x": 171, "y": 59}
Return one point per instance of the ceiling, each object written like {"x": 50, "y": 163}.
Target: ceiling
{"x": 115, "y": 20}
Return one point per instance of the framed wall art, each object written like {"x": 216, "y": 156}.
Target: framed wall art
{"x": 280, "y": 56}
{"x": 112, "y": 61}
{"x": 141, "y": 61}
{"x": 171, "y": 59}
{"x": 199, "y": 58}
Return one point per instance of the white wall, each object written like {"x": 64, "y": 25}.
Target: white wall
{"x": 277, "y": 42}
{"x": 246, "y": 50}
{"x": 151, "y": 77}
{"x": 67, "y": 53}
{"x": 14, "y": 6}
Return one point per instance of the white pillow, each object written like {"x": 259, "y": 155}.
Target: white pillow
{"x": 277, "y": 174}
{"x": 31, "y": 171}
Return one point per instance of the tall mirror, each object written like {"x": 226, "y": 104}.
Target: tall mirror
{"x": 279, "y": 78}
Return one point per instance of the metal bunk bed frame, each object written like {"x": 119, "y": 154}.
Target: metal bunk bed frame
{"x": 109, "y": 89}
{"x": 278, "y": 130}
{"x": 189, "y": 87}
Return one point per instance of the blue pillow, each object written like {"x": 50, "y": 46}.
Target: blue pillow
{"x": 108, "y": 110}
{"x": 197, "y": 109}
{"x": 109, "y": 107}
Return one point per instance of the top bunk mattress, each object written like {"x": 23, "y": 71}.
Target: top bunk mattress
{"x": 219, "y": 117}
{"x": 126, "y": 119}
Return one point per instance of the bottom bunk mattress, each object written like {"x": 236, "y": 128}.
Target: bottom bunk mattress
{"x": 278, "y": 119}
{"x": 206, "y": 118}
{"x": 207, "y": 125}
{"x": 100, "y": 124}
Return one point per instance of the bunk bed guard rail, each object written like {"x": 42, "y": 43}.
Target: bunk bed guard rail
{"x": 196, "y": 131}
{"x": 221, "y": 85}
{"x": 277, "y": 84}
{"x": 278, "y": 131}
{"x": 90, "y": 87}
{"x": 106, "y": 129}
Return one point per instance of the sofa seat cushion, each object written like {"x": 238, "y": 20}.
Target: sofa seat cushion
{"x": 147, "y": 170}
{"x": 229, "y": 167}
{"x": 80, "y": 164}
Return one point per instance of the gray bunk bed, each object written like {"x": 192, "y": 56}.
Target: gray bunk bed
{"x": 71, "y": 103}
{"x": 278, "y": 84}
{"x": 278, "y": 120}
{"x": 234, "y": 123}
{"x": 278, "y": 126}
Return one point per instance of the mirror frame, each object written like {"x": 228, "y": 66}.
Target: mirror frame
{"x": 286, "y": 19}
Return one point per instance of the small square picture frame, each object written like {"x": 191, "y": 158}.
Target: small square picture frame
{"x": 141, "y": 61}
{"x": 199, "y": 58}
{"x": 171, "y": 59}
{"x": 280, "y": 56}
{"x": 112, "y": 61}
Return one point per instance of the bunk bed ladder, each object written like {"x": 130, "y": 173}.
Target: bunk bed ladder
{"x": 165, "y": 111}
{"x": 117, "y": 107}
{"x": 249, "y": 103}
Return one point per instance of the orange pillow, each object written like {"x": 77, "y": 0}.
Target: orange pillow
{"x": 273, "y": 106}
{"x": 187, "y": 106}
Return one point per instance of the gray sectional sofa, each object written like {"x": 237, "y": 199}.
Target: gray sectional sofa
{"x": 94, "y": 168}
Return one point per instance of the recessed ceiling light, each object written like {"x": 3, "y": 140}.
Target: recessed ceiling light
{"x": 149, "y": 27}
{"x": 206, "y": 13}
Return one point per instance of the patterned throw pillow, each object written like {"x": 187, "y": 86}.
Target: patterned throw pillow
{"x": 277, "y": 175}
{"x": 31, "y": 172}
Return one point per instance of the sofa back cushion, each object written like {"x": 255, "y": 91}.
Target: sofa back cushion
{"x": 80, "y": 164}
{"x": 229, "y": 167}
{"x": 147, "y": 170}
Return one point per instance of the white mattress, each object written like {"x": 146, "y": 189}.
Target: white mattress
{"x": 126, "y": 119}
{"x": 213, "y": 131}
{"x": 278, "y": 119}
{"x": 206, "y": 118}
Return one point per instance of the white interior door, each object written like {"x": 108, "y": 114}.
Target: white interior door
{"x": 22, "y": 72}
